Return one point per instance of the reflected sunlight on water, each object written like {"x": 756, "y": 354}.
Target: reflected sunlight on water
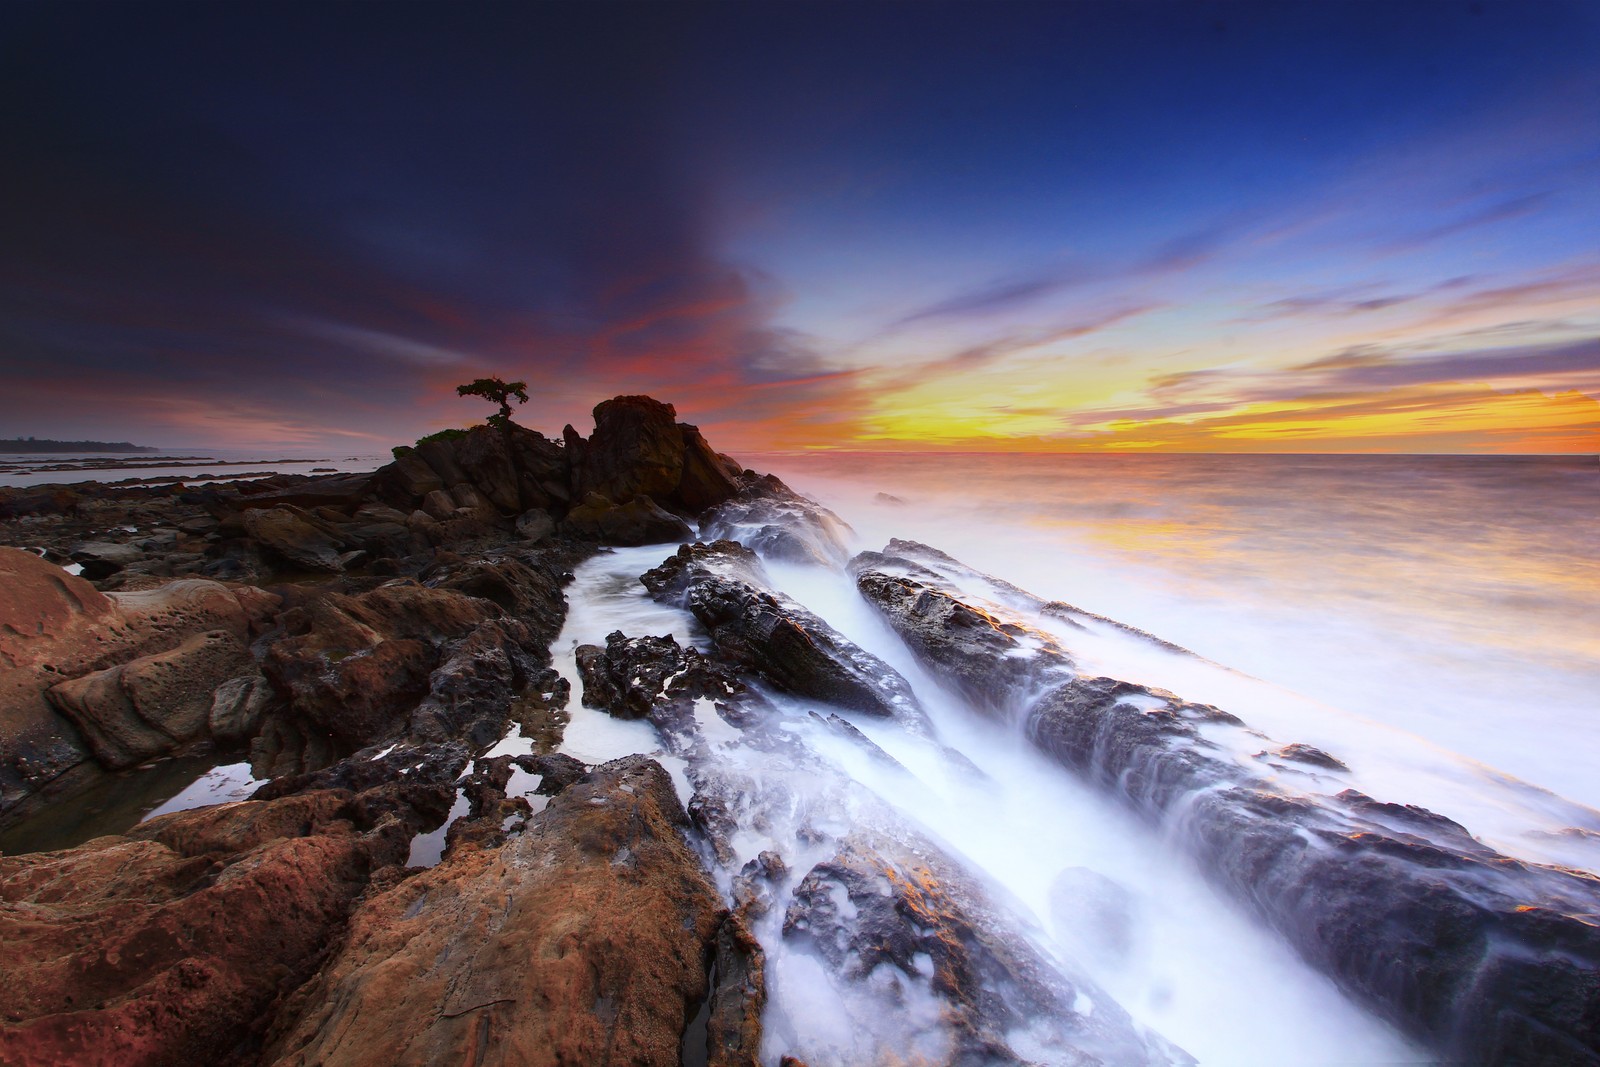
{"x": 1456, "y": 596}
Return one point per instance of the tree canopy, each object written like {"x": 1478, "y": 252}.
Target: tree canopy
{"x": 496, "y": 391}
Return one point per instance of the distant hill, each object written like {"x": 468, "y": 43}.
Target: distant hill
{"x": 37, "y": 444}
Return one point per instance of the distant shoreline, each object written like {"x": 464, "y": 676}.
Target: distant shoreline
{"x": 40, "y": 445}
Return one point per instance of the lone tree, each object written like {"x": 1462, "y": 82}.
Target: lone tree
{"x": 496, "y": 392}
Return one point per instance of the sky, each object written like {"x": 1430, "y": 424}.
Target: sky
{"x": 1177, "y": 226}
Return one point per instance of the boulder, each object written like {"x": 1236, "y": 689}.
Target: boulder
{"x": 439, "y": 504}
{"x": 409, "y": 476}
{"x": 172, "y": 945}
{"x": 295, "y": 539}
{"x": 237, "y": 708}
{"x": 106, "y": 552}
{"x": 440, "y": 455}
{"x": 641, "y": 521}
{"x": 583, "y": 939}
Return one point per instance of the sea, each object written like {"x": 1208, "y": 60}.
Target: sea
{"x": 1434, "y": 621}
{"x": 1456, "y": 598}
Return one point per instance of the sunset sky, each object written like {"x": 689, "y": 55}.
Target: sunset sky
{"x": 1331, "y": 226}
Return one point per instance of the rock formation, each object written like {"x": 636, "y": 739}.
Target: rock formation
{"x": 583, "y": 939}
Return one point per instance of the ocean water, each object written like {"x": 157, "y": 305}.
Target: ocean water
{"x": 208, "y": 464}
{"x": 1454, "y": 599}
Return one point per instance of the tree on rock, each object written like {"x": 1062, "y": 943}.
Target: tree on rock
{"x": 496, "y": 392}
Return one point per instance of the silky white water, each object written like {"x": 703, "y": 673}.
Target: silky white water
{"x": 1188, "y": 965}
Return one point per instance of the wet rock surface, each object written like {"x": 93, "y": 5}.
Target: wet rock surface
{"x": 778, "y": 524}
{"x": 1486, "y": 958}
{"x": 881, "y": 912}
{"x": 758, "y": 630}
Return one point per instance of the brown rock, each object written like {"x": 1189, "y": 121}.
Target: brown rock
{"x": 439, "y": 504}
{"x": 356, "y": 665}
{"x": 708, "y": 479}
{"x": 149, "y": 706}
{"x": 411, "y": 475}
{"x": 582, "y": 940}
{"x": 55, "y": 627}
{"x": 485, "y": 456}
{"x": 170, "y": 947}
{"x": 636, "y": 448}
{"x": 294, "y": 538}
{"x": 535, "y": 525}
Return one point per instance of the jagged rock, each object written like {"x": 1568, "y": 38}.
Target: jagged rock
{"x": 583, "y": 939}
{"x": 172, "y": 944}
{"x": 650, "y": 677}
{"x": 636, "y": 448}
{"x": 733, "y": 1023}
{"x": 639, "y": 522}
{"x": 723, "y": 585}
{"x": 152, "y": 705}
{"x": 469, "y": 693}
{"x": 968, "y": 647}
{"x": 900, "y": 917}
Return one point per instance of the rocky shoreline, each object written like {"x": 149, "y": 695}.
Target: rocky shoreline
{"x": 365, "y": 642}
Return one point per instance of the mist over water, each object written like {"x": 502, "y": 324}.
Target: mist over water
{"x": 1456, "y": 598}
